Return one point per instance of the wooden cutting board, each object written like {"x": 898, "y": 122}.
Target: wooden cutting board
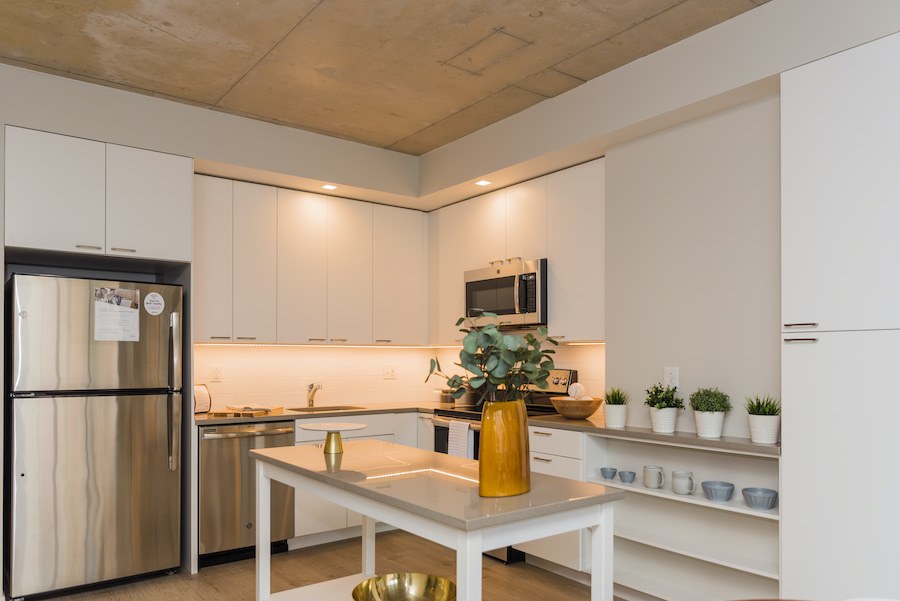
{"x": 246, "y": 413}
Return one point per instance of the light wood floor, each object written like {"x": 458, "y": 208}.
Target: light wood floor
{"x": 395, "y": 552}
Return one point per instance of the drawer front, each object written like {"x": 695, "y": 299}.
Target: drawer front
{"x": 556, "y": 442}
{"x": 555, "y": 465}
{"x": 376, "y": 425}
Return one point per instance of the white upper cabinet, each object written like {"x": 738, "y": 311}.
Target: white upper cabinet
{"x": 398, "y": 260}
{"x": 104, "y": 198}
{"x": 212, "y": 268}
{"x": 59, "y": 176}
{"x": 449, "y": 239}
{"x": 575, "y": 257}
{"x": 255, "y": 231}
{"x": 148, "y": 208}
{"x": 487, "y": 230}
{"x": 840, "y": 151}
{"x": 302, "y": 268}
{"x": 349, "y": 271}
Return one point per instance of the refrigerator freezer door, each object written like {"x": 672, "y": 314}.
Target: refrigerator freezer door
{"x": 92, "y": 495}
{"x": 77, "y": 334}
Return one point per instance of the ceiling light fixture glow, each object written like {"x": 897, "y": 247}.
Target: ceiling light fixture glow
{"x": 329, "y": 187}
{"x": 483, "y": 182}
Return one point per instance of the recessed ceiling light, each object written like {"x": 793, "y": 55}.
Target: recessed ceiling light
{"x": 483, "y": 182}
{"x": 329, "y": 187}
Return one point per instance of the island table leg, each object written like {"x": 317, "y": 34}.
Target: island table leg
{"x": 602, "y": 555}
{"x": 263, "y": 535}
{"x": 468, "y": 566}
{"x": 368, "y": 546}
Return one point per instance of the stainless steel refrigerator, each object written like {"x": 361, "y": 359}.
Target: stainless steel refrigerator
{"x": 93, "y": 431}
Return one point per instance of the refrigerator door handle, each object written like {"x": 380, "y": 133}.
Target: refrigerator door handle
{"x": 175, "y": 348}
{"x": 173, "y": 405}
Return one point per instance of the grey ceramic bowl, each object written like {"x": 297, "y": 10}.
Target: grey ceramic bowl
{"x": 626, "y": 476}
{"x": 718, "y": 491}
{"x": 608, "y": 473}
{"x": 760, "y": 498}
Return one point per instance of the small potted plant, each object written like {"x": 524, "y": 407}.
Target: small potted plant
{"x": 615, "y": 408}
{"x": 765, "y": 419}
{"x": 710, "y": 406}
{"x": 664, "y": 406}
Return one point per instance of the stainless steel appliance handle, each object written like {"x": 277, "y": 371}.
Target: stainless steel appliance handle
{"x": 246, "y": 434}
{"x": 516, "y": 295}
{"x": 445, "y": 423}
{"x": 173, "y": 411}
{"x": 176, "y": 360}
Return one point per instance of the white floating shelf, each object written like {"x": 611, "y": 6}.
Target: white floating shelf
{"x": 736, "y": 504}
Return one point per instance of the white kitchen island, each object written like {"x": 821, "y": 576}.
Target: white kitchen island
{"x": 434, "y": 496}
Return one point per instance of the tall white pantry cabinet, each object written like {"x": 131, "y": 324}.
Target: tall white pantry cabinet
{"x": 840, "y": 533}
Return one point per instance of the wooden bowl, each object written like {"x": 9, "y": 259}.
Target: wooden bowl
{"x": 576, "y": 408}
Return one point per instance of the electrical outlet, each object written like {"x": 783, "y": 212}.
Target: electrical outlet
{"x": 388, "y": 372}
{"x": 670, "y": 376}
{"x": 215, "y": 373}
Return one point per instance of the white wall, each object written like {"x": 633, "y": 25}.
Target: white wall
{"x": 693, "y": 259}
{"x": 275, "y": 376}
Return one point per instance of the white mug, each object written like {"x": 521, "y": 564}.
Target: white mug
{"x": 654, "y": 476}
{"x": 683, "y": 482}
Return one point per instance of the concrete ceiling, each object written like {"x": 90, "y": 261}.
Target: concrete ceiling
{"x": 406, "y": 75}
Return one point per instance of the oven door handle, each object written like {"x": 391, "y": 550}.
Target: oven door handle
{"x": 445, "y": 423}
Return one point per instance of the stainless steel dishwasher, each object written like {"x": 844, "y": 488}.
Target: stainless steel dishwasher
{"x": 228, "y": 489}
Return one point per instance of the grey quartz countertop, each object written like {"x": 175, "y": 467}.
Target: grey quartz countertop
{"x": 201, "y": 419}
{"x": 433, "y": 485}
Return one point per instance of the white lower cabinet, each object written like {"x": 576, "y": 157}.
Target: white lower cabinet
{"x": 558, "y": 453}
{"x": 684, "y": 547}
{"x": 425, "y": 431}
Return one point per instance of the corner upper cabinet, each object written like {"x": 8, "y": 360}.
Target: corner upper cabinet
{"x": 448, "y": 238}
{"x": 399, "y": 250}
{"x": 575, "y": 257}
{"x": 105, "y": 198}
{"x": 840, "y": 146}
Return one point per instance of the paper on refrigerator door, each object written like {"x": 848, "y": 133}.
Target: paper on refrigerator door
{"x": 461, "y": 440}
{"x": 117, "y": 314}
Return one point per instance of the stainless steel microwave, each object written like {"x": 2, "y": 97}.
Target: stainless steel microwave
{"x": 516, "y": 291}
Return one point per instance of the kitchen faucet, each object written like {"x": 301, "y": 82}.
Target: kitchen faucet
{"x": 311, "y": 394}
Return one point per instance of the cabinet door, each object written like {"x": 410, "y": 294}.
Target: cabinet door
{"x": 526, "y": 219}
{"x": 349, "y": 271}
{"x": 425, "y": 431}
{"x": 840, "y": 147}
{"x": 313, "y": 514}
{"x": 212, "y": 303}
{"x": 302, "y": 271}
{"x": 575, "y": 255}
{"x": 255, "y": 229}
{"x": 148, "y": 204}
{"x": 487, "y": 230}
{"x": 55, "y": 192}
{"x": 398, "y": 292}
{"x": 449, "y": 302}
{"x": 839, "y": 485}
{"x": 563, "y": 549}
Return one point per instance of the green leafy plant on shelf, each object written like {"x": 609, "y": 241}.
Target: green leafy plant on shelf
{"x": 663, "y": 397}
{"x": 617, "y": 396}
{"x": 763, "y": 405}
{"x": 498, "y": 366}
{"x": 709, "y": 399}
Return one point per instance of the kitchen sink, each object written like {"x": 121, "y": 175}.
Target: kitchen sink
{"x": 324, "y": 408}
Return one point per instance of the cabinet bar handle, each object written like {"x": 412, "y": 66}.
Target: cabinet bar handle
{"x": 246, "y": 337}
{"x": 511, "y": 259}
{"x": 539, "y": 433}
{"x": 123, "y": 250}
{"x": 543, "y": 459}
{"x": 382, "y": 340}
{"x": 88, "y": 247}
{"x": 220, "y": 337}
{"x": 491, "y": 263}
{"x": 810, "y": 324}
{"x": 316, "y": 339}
{"x": 339, "y": 340}
{"x": 801, "y": 339}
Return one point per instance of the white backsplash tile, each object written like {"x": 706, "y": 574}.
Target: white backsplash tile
{"x": 274, "y": 376}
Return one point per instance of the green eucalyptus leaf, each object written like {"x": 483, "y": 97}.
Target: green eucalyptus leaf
{"x": 458, "y": 393}
{"x": 491, "y": 362}
{"x": 477, "y": 382}
{"x": 460, "y": 321}
{"x": 501, "y": 369}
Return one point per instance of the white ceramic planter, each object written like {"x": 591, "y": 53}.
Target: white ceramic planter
{"x": 615, "y": 416}
{"x": 662, "y": 421}
{"x": 709, "y": 423}
{"x": 764, "y": 428}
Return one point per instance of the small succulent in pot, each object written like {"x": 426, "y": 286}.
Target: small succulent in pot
{"x": 709, "y": 399}
{"x": 663, "y": 397}
{"x": 763, "y": 405}
{"x": 617, "y": 396}
{"x": 615, "y": 409}
{"x": 765, "y": 419}
{"x": 498, "y": 366}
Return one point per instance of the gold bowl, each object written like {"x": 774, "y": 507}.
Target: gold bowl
{"x": 576, "y": 408}
{"x": 405, "y": 586}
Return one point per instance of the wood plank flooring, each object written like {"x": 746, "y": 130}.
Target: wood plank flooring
{"x": 395, "y": 552}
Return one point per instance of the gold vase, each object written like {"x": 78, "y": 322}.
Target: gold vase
{"x": 504, "y": 468}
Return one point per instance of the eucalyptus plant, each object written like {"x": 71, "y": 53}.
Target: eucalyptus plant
{"x": 663, "y": 397}
{"x": 763, "y": 405}
{"x": 710, "y": 399}
{"x": 498, "y": 366}
{"x": 616, "y": 396}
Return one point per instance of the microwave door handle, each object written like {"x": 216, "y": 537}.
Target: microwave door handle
{"x": 516, "y": 296}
